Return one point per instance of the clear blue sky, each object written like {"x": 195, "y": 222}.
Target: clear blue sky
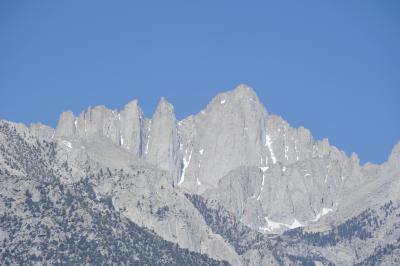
{"x": 331, "y": 66}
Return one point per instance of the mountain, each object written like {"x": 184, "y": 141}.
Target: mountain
{"x": 233, "y": 184}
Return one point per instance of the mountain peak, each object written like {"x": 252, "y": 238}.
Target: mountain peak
{"x": 395, "y": 154}
{"x": 133, "y": 109}
{"x": 134, "y": 103}
{"x": 243, "y": 91}
{"x": 242, "y": 95}
{"x": 65, "y": 126}
{"x": 164, "y": 107}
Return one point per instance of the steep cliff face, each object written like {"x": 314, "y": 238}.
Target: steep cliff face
{"x": 43, "y": 220}
{"x": 124, "y": 129}
{"x": 295, "y": 180}
{"x": 225, "y": 135}
{"x": 394, "y": 157}
{"x": 131, "y": 128}
{"x": 233, "y": 130}
{"x": 162, "y": 144}
{"x": 231, "y": 170}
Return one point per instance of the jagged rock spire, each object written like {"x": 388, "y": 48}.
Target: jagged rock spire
{"x": 66, "y": 125}
{"x": 162, "y": 148}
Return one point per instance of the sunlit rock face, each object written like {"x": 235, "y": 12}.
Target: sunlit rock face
{"x": 233, "y": 182}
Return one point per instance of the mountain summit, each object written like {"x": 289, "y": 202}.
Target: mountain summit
{"x": 233, "y": 184}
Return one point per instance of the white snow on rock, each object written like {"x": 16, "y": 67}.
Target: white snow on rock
{"x": 273, "y": 226}
{"x": 286, "y": 152}
{"x": 223, "y": 101}
{"x": 295, "y": 224}
{"x": 262, "y": 187}
{"x": 186, "y": 162}
{"x": 76, "y": 123}
{"x": 67, "y": 144}
{"x": 286, "y": 146}
{"x": 323, "y": 212}
{"x": 122, "y": 141}
{"x": 263, "y": 169}
{"x": 297, "y": 152}
{"x": 148, "y": 139}
{"x": 268, "y": 143}
{"x": 201, "y": 151}
{"x": 147, "y": 145}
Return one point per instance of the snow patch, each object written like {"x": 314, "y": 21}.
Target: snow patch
{"x": 286, "y": 152}
{"x": 262, "y": 186}
{"x": 323, "y": 212}
{"x": 271, "y": 225}
{"x": 274, "y": 226}
{"x": 259, "y": 196}
{"x": 147, "y": 145}
{"x": 286, "y": 146}
{"x": 268, "y": 143}
{"x": 186, "y": 162}
{"x": 119, "y": 116}
{"x": 284, "y": 169}
{"x": 201, "y": 151}
{"x": 223, "y": 101}
{"x": 263, "y": 168}
{"x": 148, "y": 139}
{"x": 307, "y": 175}
{"x": 67, "y": 144}
{"x": 122, "y": 141}
{"x": 297, "y": 152}
{"x": 296, "y": 224}
{"x": 76, "y": 123}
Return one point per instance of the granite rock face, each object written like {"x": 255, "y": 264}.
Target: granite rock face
{"x": 233, "y": 182}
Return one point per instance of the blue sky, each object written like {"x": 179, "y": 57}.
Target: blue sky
{"x": 331, "y": 66}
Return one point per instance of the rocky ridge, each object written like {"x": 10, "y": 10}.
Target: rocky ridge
{"x": 249, "y": 168}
